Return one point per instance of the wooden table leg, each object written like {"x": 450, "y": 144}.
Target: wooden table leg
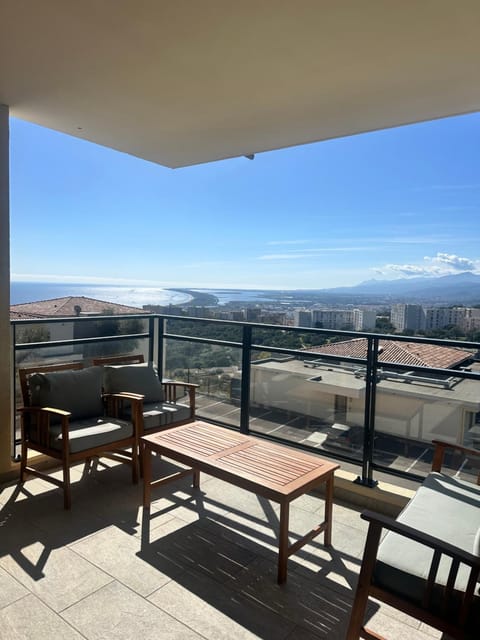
{"x": 283, "y": 543}
{"x": 328, "y": 511}
{"x": 147, "y": 475}
{"x": 196, "y": 479}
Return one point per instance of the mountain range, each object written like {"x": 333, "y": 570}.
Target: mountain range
{"x": 460, "y": 288}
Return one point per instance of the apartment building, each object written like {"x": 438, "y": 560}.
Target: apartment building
{"x": 415, "y": 317}
{"x": 332, "y": 318}
{"x": 439, "y": 317}
{"x": 302, "y": 318}
{"x": 364, "y": 319}
{"x": 407, "y": 317}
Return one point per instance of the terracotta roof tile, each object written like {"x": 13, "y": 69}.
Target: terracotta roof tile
{"x": 410, "y": 353}
{"x": 68, "y": 306}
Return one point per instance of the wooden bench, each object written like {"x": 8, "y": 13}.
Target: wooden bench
{"x": 65, "y": 416}
{"x": 428, "y": 563}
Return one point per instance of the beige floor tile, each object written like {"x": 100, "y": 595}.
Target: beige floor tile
{"x": 30, "y": 618}
{"x": 217, "y": 612}
{"x": 10, "y": 589}
{"x": 310, "y": 604}
{"x": 118, "y": 613}
{"x": 118, "y": 554}
{"x": 394, "y": 628}
{"x": 193, "y": 547}
{"x": 59, "y": 577}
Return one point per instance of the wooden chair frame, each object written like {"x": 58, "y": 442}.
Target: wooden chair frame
{"x": 124, "y": 450}
{"x": 453, "y": 624}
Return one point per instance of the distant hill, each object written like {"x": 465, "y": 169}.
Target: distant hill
{"x": 461, "y": 288}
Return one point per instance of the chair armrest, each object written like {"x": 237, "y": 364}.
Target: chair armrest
{"x": 114, "y": 406}
{"x": 42, "y": 423}
{"x": 48, "y": 410}
{"x": 439, "y": 453}
{"x": 170, "y": 389}
{"x": 179, "y": 383}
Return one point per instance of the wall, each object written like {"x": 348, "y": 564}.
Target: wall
{"x": 5, "y": 338}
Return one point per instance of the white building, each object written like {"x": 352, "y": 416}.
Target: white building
{"x": 409, "y": 406}
{"x": 332, "y": 318}
{"x": 407, "y": 317}
{"x": 440, "y": 317}
{"x": 364, "y": 319}
{"x": 302, "y": 318}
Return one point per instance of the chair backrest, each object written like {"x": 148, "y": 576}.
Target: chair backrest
{"x": 25, "y": 372}
{"x": 121, "y": 359}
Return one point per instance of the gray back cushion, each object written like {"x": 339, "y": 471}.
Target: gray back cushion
{"x": 134, "y": 378}
{"x": 77, "y": 391}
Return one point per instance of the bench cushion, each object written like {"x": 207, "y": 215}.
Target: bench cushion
{"x": 78, "y": 391}
{"x": 162, "y": 414}
{"x": 134, "y": 378}
{"x": 86, "y": 434}
{"x": 444, "y": 507}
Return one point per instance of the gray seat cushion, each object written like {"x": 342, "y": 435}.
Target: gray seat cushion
{"x": 77, "y": 391}
{"x": 446, "y": 508}
{"x": 134, "y": 378}
{"x": 86, "y": 434}
{"x": 162, "y": 414}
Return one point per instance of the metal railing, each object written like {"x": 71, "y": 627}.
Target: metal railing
{"x": 251, "y": 348}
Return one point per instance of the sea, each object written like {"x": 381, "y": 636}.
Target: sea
{"x": 135, "y": 296}
{"x": 130, "y": 295}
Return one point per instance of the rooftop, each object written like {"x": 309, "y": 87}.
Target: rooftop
{"x": 69, "y": 306}
{"x": 206, "y": 571}
{"x": 409, "y": 353}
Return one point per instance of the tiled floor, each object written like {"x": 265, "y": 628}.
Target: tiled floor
{"x": 202, "y": 566}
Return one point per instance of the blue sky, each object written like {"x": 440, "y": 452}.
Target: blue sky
{"x": 387, "y": 204}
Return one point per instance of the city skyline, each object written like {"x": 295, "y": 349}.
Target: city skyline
{"x": 395, "y": 203}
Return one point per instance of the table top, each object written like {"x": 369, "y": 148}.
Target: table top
{"x": 269, "y": 469}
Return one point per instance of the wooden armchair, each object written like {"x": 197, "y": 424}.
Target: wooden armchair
{"x": 160, "y": 406}
{"x": 428, "y": 563}
{"x": 64, "y": 417}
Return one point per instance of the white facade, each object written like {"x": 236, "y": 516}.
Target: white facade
{"x": 303, "y": 318}
{"x": 439, "y": 317}
{"x": 332, "y": 318}
{"x": 407, "y": 317}
{"x": 364, "y": 319}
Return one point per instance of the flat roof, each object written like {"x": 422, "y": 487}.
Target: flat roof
{"x": 343, "y": 381}
{"x": 186, "y": 82}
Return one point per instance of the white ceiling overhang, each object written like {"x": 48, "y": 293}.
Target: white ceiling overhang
{"x": 180, "y": 82}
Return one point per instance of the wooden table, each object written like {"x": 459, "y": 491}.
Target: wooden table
{"x": 275, "y": 472}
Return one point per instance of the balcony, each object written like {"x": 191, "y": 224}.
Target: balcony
{"x": 205, "y": 564}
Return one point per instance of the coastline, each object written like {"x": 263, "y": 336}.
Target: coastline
{"x": 198, "y": 298}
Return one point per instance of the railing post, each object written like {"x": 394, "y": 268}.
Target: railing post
{"x": 13, "y": 333}
{"x": 369, "y": 416}
{"x": 151, "y": 338}
{"x": 160, "y": 346}
{"x": 245, "y": 386}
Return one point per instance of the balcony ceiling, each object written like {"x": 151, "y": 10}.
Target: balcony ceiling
{"x": 188, "y": 81}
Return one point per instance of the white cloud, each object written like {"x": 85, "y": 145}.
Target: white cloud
{"x": 439, "y": 265}
{"x": 455, "y": 262}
